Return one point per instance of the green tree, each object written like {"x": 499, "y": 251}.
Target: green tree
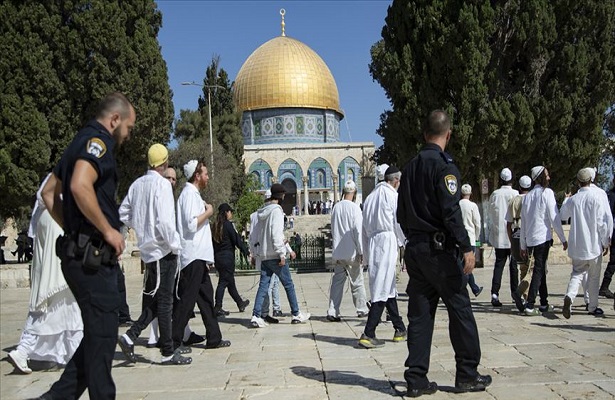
{"x": 192, "y": 129}
{"x": 65, "y": 56}
{"x": 525, "y": 82}
{"x": 249, "y": 201}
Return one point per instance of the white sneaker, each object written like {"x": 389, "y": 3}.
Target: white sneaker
{"x": 299, "y": 318}
{"x": 19, "y": 361}
{"x": 258, "y": 322}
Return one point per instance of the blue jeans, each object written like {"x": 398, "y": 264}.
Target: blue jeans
{"x": 269, "y": 268}
{"x": 274, "y": 292}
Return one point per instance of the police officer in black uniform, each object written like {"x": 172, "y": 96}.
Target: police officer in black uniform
{"x": 86, "y": 178}
{"x": 428, "y": 212}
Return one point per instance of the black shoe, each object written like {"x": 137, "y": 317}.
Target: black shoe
{"x": 606, "y": 293}
{"x": 567, "y": 307}
{"x": 126, "y": 323}
{"x": 222, "y": 343}
{"x": 431, "y": 388}
{"x": 127, "y": 349}
{"x": 331, "y": 318}
{"x": 278, "y": 313}
{"x": 222, "y": 313}
{"x": 177, "y": 359}
{"x": 598, "y": 312}
{"x": 269, "y": 319}
{"x": 242, "y": 306}
{"x": 193, "y": 339}
{"x": 496, "y": 302}
{"x": 478, "y": 292}
{"x": 518, "y": 301}
{"x": 183, "y": 350}
{"x": 479, "y": 384}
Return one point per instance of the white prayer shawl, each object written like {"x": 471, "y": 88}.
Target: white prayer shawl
{"x": 381, "y": 237}
{"x": 498, "y": 206}
{"x": 346, "y": 231}
{"x": 589, "y": 231}
{"x": 47, "y": 277}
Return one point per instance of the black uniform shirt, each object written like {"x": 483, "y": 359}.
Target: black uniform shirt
{"x": 94, "y": 144}
{"x": 429, "y": 197}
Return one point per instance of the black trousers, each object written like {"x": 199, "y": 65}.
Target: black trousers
{"x": 225, "y": 264}
{"x": 609, "y": 271}
{"x": 188, "y": 287}
{"x": 121, "y": 286}
{"x": 160, "y": 305}
{"x": 434, "y": 275}
{"x": 375, "y": 314}
{"x": 501, "y": 255}
{"x": 97, "y": 294}
{"x": 538, "y": 284}
{"x": 195, "y": 286}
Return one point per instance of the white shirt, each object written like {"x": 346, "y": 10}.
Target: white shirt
{"x": 148, "y": 209}
{"x": 539, "y": 215}
{"x": 604, "y": 199}
{"x": 346, "y": 228}
{"x": 471, "y": 219}
{"x": 589, "y": 231}
{"x": 196, "y": 241}
{"x": 498, "y": 206}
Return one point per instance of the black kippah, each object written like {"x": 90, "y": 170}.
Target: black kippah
{"x": 391, "y": 170}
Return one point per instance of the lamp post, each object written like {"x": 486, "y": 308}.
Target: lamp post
{"x": 211, "y": 141}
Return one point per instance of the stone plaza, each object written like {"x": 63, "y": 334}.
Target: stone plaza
{"x": 542, "y": 357}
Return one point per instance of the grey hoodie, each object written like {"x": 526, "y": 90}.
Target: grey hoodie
{"x": 269, "y": 232}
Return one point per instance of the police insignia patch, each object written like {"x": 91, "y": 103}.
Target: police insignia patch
{"x": 96, "y": 147}
{"x": 451, "y": 183}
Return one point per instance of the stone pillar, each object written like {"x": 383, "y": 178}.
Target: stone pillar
{"x": 335, "y": 184}
{"x": 306, "y": 199}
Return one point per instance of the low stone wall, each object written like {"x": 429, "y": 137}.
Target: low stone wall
{"x": 14, "y": 276}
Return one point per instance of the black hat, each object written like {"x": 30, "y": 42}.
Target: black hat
{"x": 277, "y": 190}
{"x": 391, "y": 170}
{"x": 224, "y": 207}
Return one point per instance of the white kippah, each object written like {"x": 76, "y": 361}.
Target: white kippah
{"x": 350, "y": 187}
{"x": 189, "y": 168}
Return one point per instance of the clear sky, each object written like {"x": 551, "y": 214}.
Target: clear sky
{"x": 340, "y": 32}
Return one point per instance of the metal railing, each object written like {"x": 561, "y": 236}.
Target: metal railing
{"x": 310, "y": 256}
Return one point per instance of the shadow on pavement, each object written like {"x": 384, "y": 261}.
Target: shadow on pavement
{"x": 587, "y": 328}
{"x": 342, "y": 341}
{"x": 350, "y": 378}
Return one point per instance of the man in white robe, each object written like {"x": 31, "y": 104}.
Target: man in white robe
{"x": 53, "y": 328}
{"x": 346, "y": 228}
{"x": 382, "y": 237}
{"x": 498, "y": 236}
{"x": 588, "y": 241}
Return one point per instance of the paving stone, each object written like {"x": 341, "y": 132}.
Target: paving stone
{"x": 544, "y": 357}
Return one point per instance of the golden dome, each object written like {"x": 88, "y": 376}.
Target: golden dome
{"x": 284, "y": 72}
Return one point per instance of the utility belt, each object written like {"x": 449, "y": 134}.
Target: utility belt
{"x": 437, "y": 240}
{"x": 87, "y": 246}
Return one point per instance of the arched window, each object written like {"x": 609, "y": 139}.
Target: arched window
{"x": 268, "y": 178}
{"x": 320, "y": 178}
{"x": 350, "y": 175}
